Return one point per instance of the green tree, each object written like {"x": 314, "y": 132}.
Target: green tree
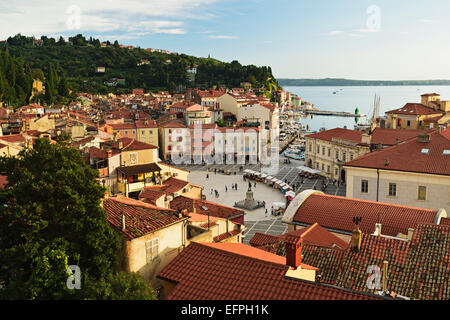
{"x": 51, "y": 217}
{"x": 118, "y": 286}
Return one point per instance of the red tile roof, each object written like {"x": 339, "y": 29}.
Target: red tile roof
{"x": 173, "y": 124}
{"x": 232, "y": 271}
{"x": 313, "y": 234}
{"x": 214, "y": 209}
{"x": 333, "y": 212}
{"x": 225, "y": 235}
{"x": 140, "y": 218}
{"x": 96, "y": 153}
{"x": 168, "y": 187}
{"x": 419, "y": 268}
{"x": 414, "y": 109}
{"x": 122, "y": 126}
{"x": 446, "y": 133}
{"x": 129, "y": 144}
{"x": 14, "y": 138}
{"x": 150, "y": 124}
{"x": 390, "y": 137}
{"x": 408, "y": 157}
{"x": 445, "y": 221}
{"x": 341, "y": 133}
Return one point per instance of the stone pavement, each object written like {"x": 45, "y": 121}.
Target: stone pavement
{"x": 256, "y": 220}
{"x": 218, "y": 182}
{"x": 274, "y": 227}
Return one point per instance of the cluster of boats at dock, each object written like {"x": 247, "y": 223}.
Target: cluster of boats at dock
{"x": 292, "y": 134}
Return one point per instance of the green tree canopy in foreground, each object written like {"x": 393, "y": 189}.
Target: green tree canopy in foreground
{"x": 51, "y": 218}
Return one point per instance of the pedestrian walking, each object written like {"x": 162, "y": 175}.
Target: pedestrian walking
{"x": 226, "y": 189}
{"x": 266, "y": 212}
{"x": 254, "y": 185}
{"x": 207, "y": 176}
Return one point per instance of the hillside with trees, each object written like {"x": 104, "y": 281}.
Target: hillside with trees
{"x": 16, "y": 82}
{"x": 78, "y": 58}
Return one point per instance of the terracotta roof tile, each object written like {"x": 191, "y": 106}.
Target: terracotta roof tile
{"x": 168, "y": 187}
{"x": 129, "y": 144}
{"x": 14, "y": 138}
{"x": 408, "y": 156}
{"x": 390, "y": 137}
{"x": 231, "y": 271}
{"x": 334, "y": 212}
{"x": 173, "y": 124}
{"x": 140, "y": 218}
{"x": 346, "y": 134}
{"x": 213, "y": 209}
{"x": 419, "y": 268}
{"x": 414, "y": 109}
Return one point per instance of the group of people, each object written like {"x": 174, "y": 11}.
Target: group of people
{"x": 234, "y": 186}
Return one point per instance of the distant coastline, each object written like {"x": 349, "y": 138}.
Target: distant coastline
{"x": 347, "y": 82}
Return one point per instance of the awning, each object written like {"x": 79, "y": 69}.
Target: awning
{"x": 263, "y": 175}
{"x": 135, "y": 170}
{"x": 290, "y": 194}
{"x": 278, "y": 205}
{"x": 309, "y": 170}
{"x": 249, "y": 171}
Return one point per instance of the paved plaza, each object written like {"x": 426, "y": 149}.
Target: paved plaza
{"x": 256, "y": 220}
{"x": 286, "y": 171}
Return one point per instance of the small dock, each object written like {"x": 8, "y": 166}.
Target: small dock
{"x": 334, "y": 113}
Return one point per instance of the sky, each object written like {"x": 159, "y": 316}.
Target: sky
{"x": 353, "y": 39}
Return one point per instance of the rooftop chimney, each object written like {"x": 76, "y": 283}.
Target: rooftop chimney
{"x": 386, "y": 162}
{"x": 385, "y": 275}
{"x": 356, "y": 235}
{"x": 377, "y": 229}
{"x": 123, "y": 222}
{"x": 410, "y": 233}
{"x": 294, "y": 251}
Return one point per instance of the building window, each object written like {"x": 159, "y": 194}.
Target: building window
{"x": 328, "y": 169}
{"x": 143, "y": 132}
{"x": 422, "y": 193}
{"x": 344, "y": 156}
{"x": 392, "y": 189}
{"x": 364, "y": 186}
{"x": 152, "y": 248}
{"x": 323, "y": 150}
{"x": 323, "y": 167}
{"x": 408, "y": 123}
{"x": 337, "y": 155}
{"x": 318, "y": 149}
{"x": 310, "y": 147}
{"x": 329, "y": 152}
{"x": 336, "y": 172}
{"x": 351, "y": 156}
{"x": 133, "y": 157}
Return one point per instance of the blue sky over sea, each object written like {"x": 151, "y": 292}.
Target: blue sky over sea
{"x": 373, "y": 40}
